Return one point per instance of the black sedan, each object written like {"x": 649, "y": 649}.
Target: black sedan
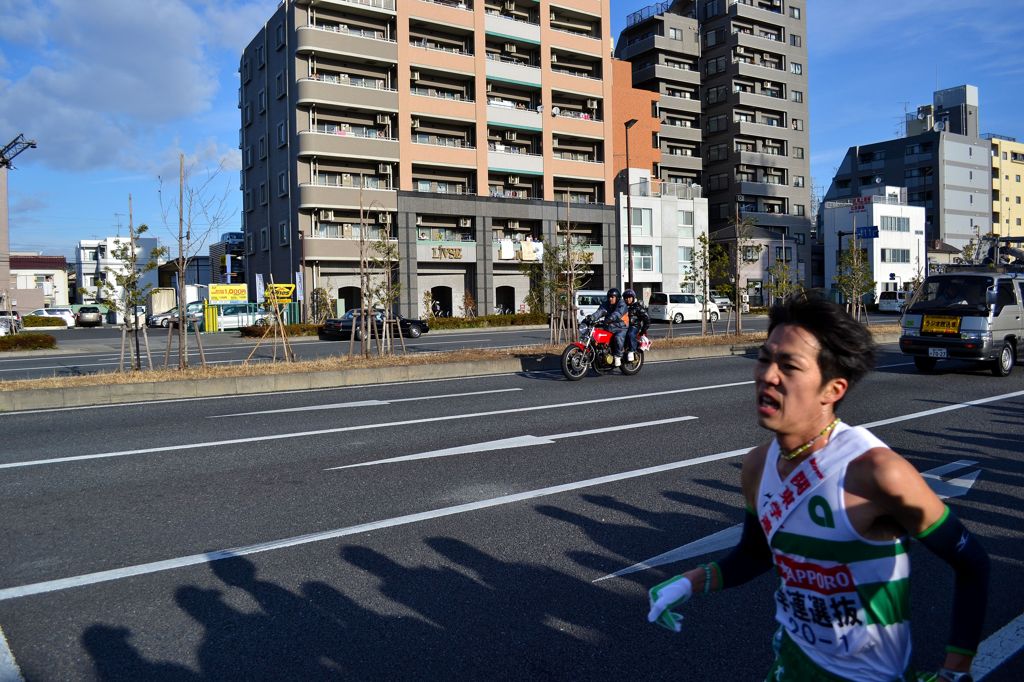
{"x": 342, "y": 327}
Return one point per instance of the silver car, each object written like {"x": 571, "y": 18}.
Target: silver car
{"x": 89, "y": 316}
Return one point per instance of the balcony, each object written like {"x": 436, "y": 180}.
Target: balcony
{"x": 314, "y": 196}
{"x": 383, "y": 5}
{"x": 513, "y": 71}
{"x": 496, "y": 24}
{"x": 324, "y": 40}
{"x": 324, "y": 248}
{"x": 763, "y": 189}
{"x": 764, "y": 159}
{"x": 347, "y": 144}
{"x": 675, "y": 103}
{"x": 502, "y": 159}
{"x": 681, "y": 133}
{"x": 508, "y": 113}
{"x": 666, "y": 73}
{"x": 333, "y": 89}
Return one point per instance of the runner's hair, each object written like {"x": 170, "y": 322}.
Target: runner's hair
{"x": 847, "y": 349}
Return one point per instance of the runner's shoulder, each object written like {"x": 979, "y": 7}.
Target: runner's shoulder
{"x": 750, "y": 474}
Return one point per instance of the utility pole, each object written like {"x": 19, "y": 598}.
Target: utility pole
{"x": 629, "y": 208}
{"x": 7, "y": 154}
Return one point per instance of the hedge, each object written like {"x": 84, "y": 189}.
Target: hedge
{"x": 488, "y": 321}
{"x": 40, "y": 321}
{"x": 27, "y": 341}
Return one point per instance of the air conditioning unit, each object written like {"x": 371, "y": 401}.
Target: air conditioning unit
{"x": 490, "y": 87}
{"x": 554, "y": 17}
{"x": 465, "y": 222}
{"x": 384, "y": 168}
{"x": 766, "y": 84}
{"x": 510, "y": 48}
{"x": 346, "y": 178}
{"x": 592, "y": 104}
{"x": 383, "y": 119}
{"x": 513, "y": 179}
{"x": 327, "y": 216}
{"x": 415, "y": 123}
{"x": 510, "y": 135}
{"x": 384, "y": 218}
{"x": 419, "y": 220}
{"x": 513, "y": 224}
{"x": 415, "y": 75}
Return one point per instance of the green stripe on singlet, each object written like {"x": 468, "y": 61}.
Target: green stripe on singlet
{"x": 846, "y": 552}
{"x": 886, "y": 603}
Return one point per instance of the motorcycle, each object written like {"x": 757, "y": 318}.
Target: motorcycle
{"x": 594, "y": 349}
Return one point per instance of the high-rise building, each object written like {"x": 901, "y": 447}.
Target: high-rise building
{"x": 1007, "y": 188}
{"x": 945, "y": 166}
{"x": 227, "y": 259}
{"x": 752, "y": 111}
{"x": 452, "y": 127}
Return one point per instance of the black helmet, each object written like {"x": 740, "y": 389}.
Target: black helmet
{"x": 614, "y": 291}
{"x": 628, "y": 293}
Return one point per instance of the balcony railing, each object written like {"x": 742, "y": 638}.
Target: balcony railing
{"x": 660, "y": 188}
{"x": 497, "y": 13}
{"x": 350, "y": 131}
{"x": 581, "y": 115}
{"x": 532, "y": 63}
{"x": 350, "y": 183}
{"x": 505, "y": 149}
{"x": 446, "y": 142}
{"x": 379, "y": 4}
{"x": 440, "y": 94}
{"x": 454, "y": 4}
{"x": 357, "y": 32}
{"x": 352, "y": 81}
{"x": 426, "y": 45}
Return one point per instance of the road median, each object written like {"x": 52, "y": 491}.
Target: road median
{"x": 120, "y": 388}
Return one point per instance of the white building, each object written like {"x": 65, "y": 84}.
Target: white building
{"x": 95, "y": 263}
{"x": 668, "y": 219}
{"x": 897, "y": 255}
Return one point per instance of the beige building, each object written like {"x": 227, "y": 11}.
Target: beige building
{"x": 39, "y": 281}
{"x": 1007, "y": 188}
{"x": 455, "y": 127}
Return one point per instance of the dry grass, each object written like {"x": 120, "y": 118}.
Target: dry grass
{"x": 343, "y": 362}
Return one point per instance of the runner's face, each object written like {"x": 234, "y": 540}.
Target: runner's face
{"x": 789, "y": 392}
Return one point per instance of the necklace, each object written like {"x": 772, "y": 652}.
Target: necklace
{"x": 793, "y": 454}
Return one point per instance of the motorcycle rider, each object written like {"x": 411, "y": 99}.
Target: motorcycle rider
{"x": 614, "y": 310}
{"x": 639, "y": 322}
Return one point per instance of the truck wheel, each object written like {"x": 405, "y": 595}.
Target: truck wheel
{"x": 1004, "y": 363}
{"x": 925, "y": 364}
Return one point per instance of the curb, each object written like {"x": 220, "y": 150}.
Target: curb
{"x": 49, "y": 398}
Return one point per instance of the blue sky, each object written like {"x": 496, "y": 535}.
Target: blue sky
{"x": 112, "y": 91}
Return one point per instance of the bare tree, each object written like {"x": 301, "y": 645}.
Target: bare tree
{"x": 202, "y": 209}
{"x": 744, "y": 247}
{"x": 385, "y": 287}
{"x": 854, "y": 278}
{"x": 710, "y": 262}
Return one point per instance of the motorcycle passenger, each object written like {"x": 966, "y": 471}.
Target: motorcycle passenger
{"x": 616, "y": 315}
{"x": 639, "y": 322}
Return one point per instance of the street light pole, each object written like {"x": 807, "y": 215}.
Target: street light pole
{"x": 629, "y": 208}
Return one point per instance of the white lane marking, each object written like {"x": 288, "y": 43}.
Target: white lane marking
{"x": 728, "y": 537}
{"x": 194, "y": 559}
{"x": 364, "y": 403}
{"x": 446, "y": 343}
{"x": 998, "y": 648}
{"x": 360, "y": 427}
{"x": 507, "y": 443}
{"x": 898, "y": 364}
{"x": 9, "y": 671}
{"x": 112, "y": 361}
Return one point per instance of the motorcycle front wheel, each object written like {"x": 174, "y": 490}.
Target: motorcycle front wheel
{"x": 631, "y": 368}
{"x": 574, "y": 363}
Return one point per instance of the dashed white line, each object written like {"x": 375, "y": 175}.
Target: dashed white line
{"x": 365, "y": 403}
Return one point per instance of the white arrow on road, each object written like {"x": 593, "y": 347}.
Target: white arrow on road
{"x": 507, "y": 443}
{"x": 729, "y": 537}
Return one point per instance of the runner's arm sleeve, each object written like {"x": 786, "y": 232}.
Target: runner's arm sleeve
{"x": 954, "y": 544}
{"x": 749, "y": 559}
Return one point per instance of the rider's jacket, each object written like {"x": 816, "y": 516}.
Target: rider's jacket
{"x": 613, "y": 314}
{"x": 638, "y": 316}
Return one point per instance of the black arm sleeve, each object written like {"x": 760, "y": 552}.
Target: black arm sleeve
{"x": 750, "y": 558}
{"x": 955, "y": 545}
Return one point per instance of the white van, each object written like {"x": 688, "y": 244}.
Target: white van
{"x": 892, "y": 301}
{"x": 587, "y": 302}
{"x": 680, "y": 308}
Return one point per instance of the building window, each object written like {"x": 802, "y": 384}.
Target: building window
{"x": 655, "y": 142}
{"x": 247, "y": 73}
{"x": 282, "y": 134}
{"x": 717, "y": 94}
{"x": 1018, "y": 222}
{"x": 262, "y": 99}
{"x": 751, "y": 253}
{"x": 712, "y": 8}
{"x": 798, "y": 152}
{"x": 796, "y": 67}
{"x": 248, "y": 200}
{"x": 264, "y": 242}
{"x": 796, "y": 95}
{"x": 895, "y": 255}
{"x": 717, "y": 152}
{"x": 279, "y": 89}
{"x": 248, "y": 243}
{"x": 795, "y": 40}
{"x": 716, "y": 65}
{"x": 890, "y": 223}
{"x": 684, "y": 218}
{"x": 261, "y": 56}
{"x": 263, "y": 147}
{"x": 798, "y": 181}
{"x": 279, "y": 35}
{"x": 282, "y": 184}
{"x": 642, "y": 222}
{"x": 798, "y": 124}
{"x": 794, "y": 12}
{"x": 248, "y": 113}
{"x": 643, "y": 258}
{"x": 719, "y": 211}
{"x": 675, "y": 34}
{"x": 718, "y": 123}
{"x": 788, "y": 256}
{"x": 263, "y": 194}
{"x": 283, "y": 232}
{"x": 719, "y": 181}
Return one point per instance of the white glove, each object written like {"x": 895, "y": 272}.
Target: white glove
{"x": 666, "y": 595}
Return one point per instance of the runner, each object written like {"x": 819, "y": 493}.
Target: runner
{"x": 832, "y": 507}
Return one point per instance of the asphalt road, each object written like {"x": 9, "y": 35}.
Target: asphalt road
{"x": 482, "y": 558}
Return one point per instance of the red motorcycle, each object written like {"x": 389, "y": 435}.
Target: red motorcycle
{"x": 594, "y": 349}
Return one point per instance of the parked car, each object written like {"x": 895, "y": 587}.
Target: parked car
{"x": 240, "y": 315}
{"x": 680, "y": 307}
{"x": 161, "y": 319}
{"x": 135, "y": 317}
{"x": 721, "y": 300}
{"x": 12, "y": 318}
{"x": 342, "y": 327}
{"x": 65, "y": 313}
{"x": 893, "y": 301}
{"x": 89, "y": 316}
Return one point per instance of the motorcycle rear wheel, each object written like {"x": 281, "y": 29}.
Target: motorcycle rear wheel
{"x": 631, "y": 368}
{"x": 574, "y": 363}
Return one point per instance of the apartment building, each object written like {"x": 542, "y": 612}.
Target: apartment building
{"x": 39, "y": 281}
{"x": 752, "y": 113}
{"x": 451, "y": 127}
{"x": 942, "y": 162}
{"x": 1007, "y": 189}
{"x": 96, "y": 264}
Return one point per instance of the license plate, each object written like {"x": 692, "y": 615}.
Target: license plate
{"x": 940, "y": 324}
{"x": 937, "y": 352}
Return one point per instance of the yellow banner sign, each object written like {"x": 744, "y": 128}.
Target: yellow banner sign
{"x": 228, "y": 293}
{"x": 282, "y": 293}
